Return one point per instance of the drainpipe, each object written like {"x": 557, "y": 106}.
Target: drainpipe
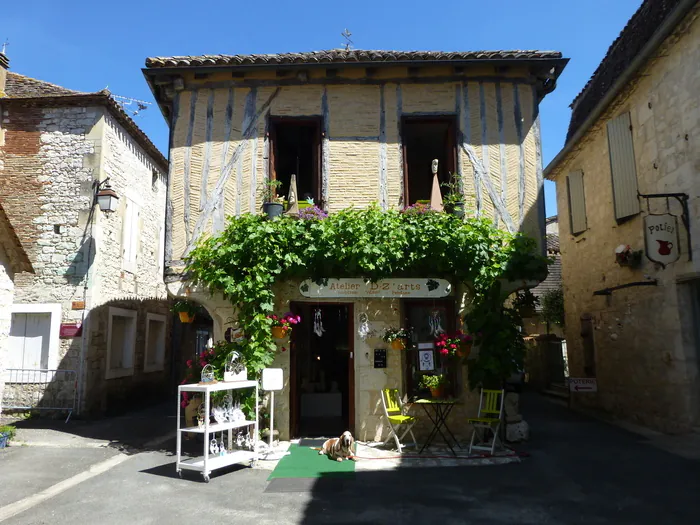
{"x": 647, "y": 51}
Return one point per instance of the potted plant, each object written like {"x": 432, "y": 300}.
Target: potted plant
{"x": 282, "y": 326}
{"x": 272, "y": 207}
{"x": 458, "y": 344}
{"x": 396, "y": 337}
{"x": 453, "y": 200}
{"x": 7, "y": 432}
{"x": 435, "y": 383}
{"x": 185, "y": 309}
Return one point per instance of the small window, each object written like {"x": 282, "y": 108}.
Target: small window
{"x": 577, "y": 202}
{"x": 130, "y": 235}
{"x": 622, "y": 167}
{"x": 296, "y": 150}
{"x": 425, "y": 139}
{"x": 121, "y": 342}
{"x": 154, "y": 353}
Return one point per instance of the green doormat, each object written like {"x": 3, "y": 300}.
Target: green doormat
{"x": 304, "y": 462}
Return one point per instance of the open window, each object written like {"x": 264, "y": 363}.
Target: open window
{"x": 154, "y": 353}
{"x": 121, "y": 343}
{"x": 296, "y": 149}
{"x": 425, "y": 139}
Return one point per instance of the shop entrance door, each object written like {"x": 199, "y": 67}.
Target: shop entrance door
{"x": 322, "y": 370}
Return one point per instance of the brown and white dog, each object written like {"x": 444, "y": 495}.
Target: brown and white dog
{"x": 339, "y": 448}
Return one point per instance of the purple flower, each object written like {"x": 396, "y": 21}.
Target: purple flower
{"x": 417, "y": 209}
{"x": 312, "y": 213}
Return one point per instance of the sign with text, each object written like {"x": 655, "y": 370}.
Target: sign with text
{"x": 70, "y": 330}
{"x": 386, "y": 288}
{"x": 583, "y": 384}
{"x": 661, "y": 238}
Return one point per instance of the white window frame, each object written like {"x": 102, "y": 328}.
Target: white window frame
{"x": 131, "y": 235}
{"x": 159, "y": 364}
{"x": 54, "y": 310}
{"x": 112, "y": 373}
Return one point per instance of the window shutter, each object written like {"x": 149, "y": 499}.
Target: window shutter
{"x": 134, "y": 236}
{"x": 622, "y": 167}
{"x": 577, "y": 202}
{"x": 126, "y": 231}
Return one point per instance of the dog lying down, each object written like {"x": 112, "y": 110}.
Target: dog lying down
{"x": 339, "y": 448}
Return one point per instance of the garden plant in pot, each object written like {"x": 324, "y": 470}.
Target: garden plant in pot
{"x": 272, "y": 207}
{"x": 457, "y": 344}
{"x": 185, "y": 309}
{"x": 453, "y": 200}
{"x": 435, "y": 383}
{"x": 282, "y": 326}
{"x": 396, "y": 337}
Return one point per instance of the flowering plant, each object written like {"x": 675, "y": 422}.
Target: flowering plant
{"x": 433, "y": 381}
{"x": 418, "y": 208}
{"x": 391, "y": 334}
{"x": 286, "y": 322}
{"x": 312, "y": 212}
{"x": 449, "y": 344}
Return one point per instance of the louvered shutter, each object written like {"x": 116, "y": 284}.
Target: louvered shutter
{"x": 577, "y": 202}
{"x": 622, "y": 167}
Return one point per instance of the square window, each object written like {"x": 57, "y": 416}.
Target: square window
{"x": 121, "y": 343}
{"x": 154, "y": 352}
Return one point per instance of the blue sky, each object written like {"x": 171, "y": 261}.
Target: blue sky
{"x": 88, "y": 45}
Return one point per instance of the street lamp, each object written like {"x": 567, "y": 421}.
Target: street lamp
{"x": 107, "y": 198}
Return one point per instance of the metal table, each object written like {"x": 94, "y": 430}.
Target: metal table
{"x": 440, "y": 408}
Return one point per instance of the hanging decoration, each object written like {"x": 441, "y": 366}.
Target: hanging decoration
{"x": 364, "y": 330}
{"x": 207, "y": 375}
{"x": 235, "y": 369}
{"x": 214, "y": 447}
{"x": 318, "y": 323}
{"x": 435, "y": 323}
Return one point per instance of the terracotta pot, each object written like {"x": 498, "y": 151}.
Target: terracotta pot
{"x": 437, "y": 392}
{"x": 398, "y": 344}
{"x": 464, "y": 350}
{"x": 279, "y": 332}
{"x": 185, "y": 317}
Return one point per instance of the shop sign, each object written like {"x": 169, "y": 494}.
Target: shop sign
{"x": 583, "y": 384}
{"x": 386, "y": 288}
{"x": 70, "y": 330}
{"x": 661, "y": 238}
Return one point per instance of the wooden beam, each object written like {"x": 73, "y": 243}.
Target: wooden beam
{"x": 383, "y": 192}
{"x": 466, "y": 117}
{"x": 518, "y": 115}
{"x": 325, "y": 149}
{"x": 541, "y": 219}
{"x": 171, "y": 176}
{"x": 484, "y": 138}
{"x": 502, "y": 144}
{"x": 219, "y": 214}
{"x": 207, "y": 150}
{"x": 399, "y": 143}
{"x": 188, "y": 164}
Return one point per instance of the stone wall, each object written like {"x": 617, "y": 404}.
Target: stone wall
{"x": 647, "y": 369}
{"x": 6, "y": 298}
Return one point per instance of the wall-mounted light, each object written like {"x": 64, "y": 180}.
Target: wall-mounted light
{"x": 107, "y": 198}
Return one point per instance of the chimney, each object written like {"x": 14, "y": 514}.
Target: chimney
{"x": 4, "y": 66}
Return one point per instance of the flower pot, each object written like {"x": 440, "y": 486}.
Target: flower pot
{"x": 272, "y": 209}
{"x": 398, "y": 344}
{"x": 437, "y": 392}
{"x": 457, "y": 209}
{"x": 464, "y": 350}
{"x": 279, "y": 332}
{"x": 186, "y": 317}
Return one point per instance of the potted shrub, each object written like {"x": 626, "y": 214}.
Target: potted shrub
{"x": 282, "y": 326}
{"x": 435, "y": 383}
{"x": 272, "y": 207}
{"x": 458, "y": 344}
{"x": 453, "y": 200}
{"x": 185, "y": 309}
{"x": 396, "y": 337}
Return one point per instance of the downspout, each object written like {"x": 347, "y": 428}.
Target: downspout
{"x": 666, "y": 28}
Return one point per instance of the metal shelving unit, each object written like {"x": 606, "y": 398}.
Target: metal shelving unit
{"x": 207, "y": 462}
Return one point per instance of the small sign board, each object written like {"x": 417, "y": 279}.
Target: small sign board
{"x": 661, "y": 238}
{"x": 380, "y": 358}
{"x": 583, "y": 384}
{"x": 272, "y": 379}
{"x": 70, "y": 330}
{"x": 77, "y": 305}
{"x": 386, "y": 288}
{"x": 426, "y": 360}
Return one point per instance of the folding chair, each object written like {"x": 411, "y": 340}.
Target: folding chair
{"x": 489, "y": 404}
{"x": 396, "y": 416}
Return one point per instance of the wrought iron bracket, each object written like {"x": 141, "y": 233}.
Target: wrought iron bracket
{"x": 609, "y": 291}
{"x": 682, "y": 199}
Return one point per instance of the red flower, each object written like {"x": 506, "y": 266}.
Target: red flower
{"x": 284, "y": 349}
{"x": 189, "y": 363}
{"x": 183, "y": 404}
{"x": 444, "y": 351}
{"x": 202, "y": 363}
{"x": 453, "y": 345}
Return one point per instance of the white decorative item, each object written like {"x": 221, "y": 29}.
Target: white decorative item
{"x": 235, "y": 369}
{"x": 213, "y": 446}
{"x": 219, "y": 414}
{"x": 435, "y": 323}
{"x": 426, "y": 360}
{"x": 201, "y": 415}
{"x": 364, "y": 330}
{"x": 207, "y": 375}
{"x": 318, "y": 323}
{"x": 272, "y": 379}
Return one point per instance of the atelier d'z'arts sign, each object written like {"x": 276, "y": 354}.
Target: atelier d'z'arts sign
{"x": 386, "y": 288}
{"x": 661, "y": 238}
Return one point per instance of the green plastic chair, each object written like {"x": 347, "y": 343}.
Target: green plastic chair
{"x": 490, "y": 405}
{"x": 396, "y": 417}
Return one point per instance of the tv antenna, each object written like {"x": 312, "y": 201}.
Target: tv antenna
{"x": 346, "y": 35}
{"x": 4, "y": 46}
{"x": 127, "y": 102}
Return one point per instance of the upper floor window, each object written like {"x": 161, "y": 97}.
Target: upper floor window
{"x": 130, "y": 235}
{"x": 622, "y": 167}
{"x": 425, "y": 139}
{"x": 295, "y": 149}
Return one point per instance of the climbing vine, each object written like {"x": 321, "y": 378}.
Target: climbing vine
{"x": 253, "y": 253}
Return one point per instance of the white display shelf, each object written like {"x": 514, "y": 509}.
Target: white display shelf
{"x": 207, "y": 463}
{"x": 218, "y": 427}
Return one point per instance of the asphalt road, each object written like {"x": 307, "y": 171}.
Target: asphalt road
{"x": 579, "y": 471}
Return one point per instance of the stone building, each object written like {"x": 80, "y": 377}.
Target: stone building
{"x": 356, "y": 127}
{"x": 96, "y": 304}
{"x": 629, "y": 207}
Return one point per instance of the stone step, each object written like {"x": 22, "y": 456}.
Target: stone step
{"x": 558, "y": 393}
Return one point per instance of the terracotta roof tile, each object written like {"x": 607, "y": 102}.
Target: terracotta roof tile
{"x": 20, "y": 86}
{"x": 344, "y": 57}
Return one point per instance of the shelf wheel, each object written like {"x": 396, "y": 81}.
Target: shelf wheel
{"x": 206, "y": 478}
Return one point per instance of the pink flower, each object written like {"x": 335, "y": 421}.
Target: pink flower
{"x": 453, "y": 346}
{"x": 202, "y": 363}
{"x": 183, "y": 381}
{"x": 274, "y": 317}
{"x": 444, "y": 351}
{"x": 189, "y": 363}
{"x": 183, "y": 404}
{"x": 284, "y": 349}
{"x": 440, "y": 343}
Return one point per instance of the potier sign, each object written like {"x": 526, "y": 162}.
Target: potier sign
{"x": 661, "y": 238}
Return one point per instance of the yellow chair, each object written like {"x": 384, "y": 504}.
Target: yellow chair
{"x": 488, "y": 419}
{"x": 396, "y": 416}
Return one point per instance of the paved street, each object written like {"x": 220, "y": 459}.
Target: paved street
{"x": 580, "y": 470}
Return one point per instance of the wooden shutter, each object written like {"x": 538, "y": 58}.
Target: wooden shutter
{"x": 577, "y": 202}
{"x": 126, "y": 231}
{"x": 622, "y": 167}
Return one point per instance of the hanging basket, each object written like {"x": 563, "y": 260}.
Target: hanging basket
{"x": 186, "y": 317}
{"x": 464, "y": 350}
{"x": 398, "y": 344}
{"x": 279, "y": 332}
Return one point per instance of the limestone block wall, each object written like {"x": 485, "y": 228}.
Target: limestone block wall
{"x": 220, "y": 148}
{"x": 646, "y": 362}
